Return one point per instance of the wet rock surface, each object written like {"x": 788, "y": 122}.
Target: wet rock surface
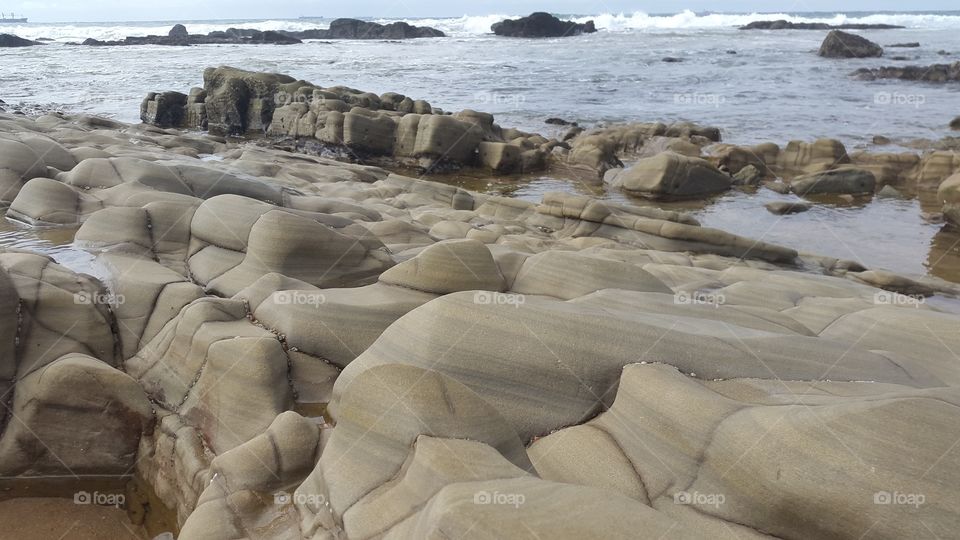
{"x": 541, "y": 25}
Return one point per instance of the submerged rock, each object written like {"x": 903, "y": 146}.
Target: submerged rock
{"x": 541, "y": 25}
{"x": 787, "y": 207}
{"x": 936, "y": 73}
{"x": 840, "y": 44}
{"x": 850, "y": 181}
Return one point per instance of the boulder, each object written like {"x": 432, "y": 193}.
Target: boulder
{"x": 840, "y": 44}
{"x": 357, "y": 29}
{"x": 240, "y": 101}
{"x": 949, "y": 194}
{"x": 166, "y": 109}
{"x": 781, "y": 24}
{"x": 541, "y": 25}
{"x": 10, "y": 40}
{"x": 178, "y": 31}
{"x": 955, "y": 124}
{"x": 670, "y": 176}
{"x": 846, "y": 180}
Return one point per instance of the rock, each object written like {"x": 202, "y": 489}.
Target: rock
{"x": 10, "y": 40}
{"x": 357, "y": 29}
{"x": 840, "y": 44}
{"x": 671, "y": 59}
{"x": 541, "y": 25}
{"x": 782, "y": 208}
{"x": 780, "y": 187}
{"x": 910, "y": 45}
{"x": 949, "y": 194}
{"x": 240, "y": 101}
{"x": 889, "y": 192}
{"x": 670, "y": 176}
{"x": 559, "y": 122}
{"x": 748, "y": 176}
{"x": 936, "y": 73}
{"x": 837, "y": 181}
{"x": 955, "y": 124}
{"x": 167, "y": 109}
{"x": 178, "y": 31}
{"x": 785, "y": 25}
{"x": 880, "y": 140}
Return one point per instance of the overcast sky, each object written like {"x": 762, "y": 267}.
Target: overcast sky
{"x": 125, "y": 10}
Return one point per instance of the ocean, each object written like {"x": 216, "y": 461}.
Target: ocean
{"x": 773, "y": 89}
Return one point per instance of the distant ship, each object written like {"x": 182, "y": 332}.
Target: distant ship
{"x": 11, "y": 19}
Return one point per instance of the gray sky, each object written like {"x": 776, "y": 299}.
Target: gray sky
{"x": 122, "y": 10}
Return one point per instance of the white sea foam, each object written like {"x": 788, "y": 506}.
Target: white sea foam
{"x": 480, "y": 25}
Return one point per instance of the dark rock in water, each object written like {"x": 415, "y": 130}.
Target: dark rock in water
{"x": 164, "y": 110}
{"x": 943, "y": 53}
{"x": 843, "y": 45}
{"x": 880, "y": 140}
{"x": 782, "y": 208}
{"x": 900, "y": 58}
{"x": 939, "y": 73}
{"x": 559, "y": 122}
{"x": 357, "y": 29}
{"x": 179, "y": 31}
{"x": 672, "y": 59}
{"x": 10, "y": 40}
{"x": 785, "y": 25}
{"x": 540, "y": 25}
{"x": 731, "y": 52}
{"x": 912, "y": 45}
{"x": 955, "y": 124}
{"x": 44, "y": 39}
{"x": 270, "y": 36}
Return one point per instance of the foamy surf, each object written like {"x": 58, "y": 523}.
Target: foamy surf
{"x": 478, "y": 25}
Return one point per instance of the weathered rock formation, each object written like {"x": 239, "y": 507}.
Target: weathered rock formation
{"x": 541, "y": 25}
{"x": 839, "y": 44}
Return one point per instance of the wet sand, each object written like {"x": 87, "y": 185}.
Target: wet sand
{"x": 55, "y": 519}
